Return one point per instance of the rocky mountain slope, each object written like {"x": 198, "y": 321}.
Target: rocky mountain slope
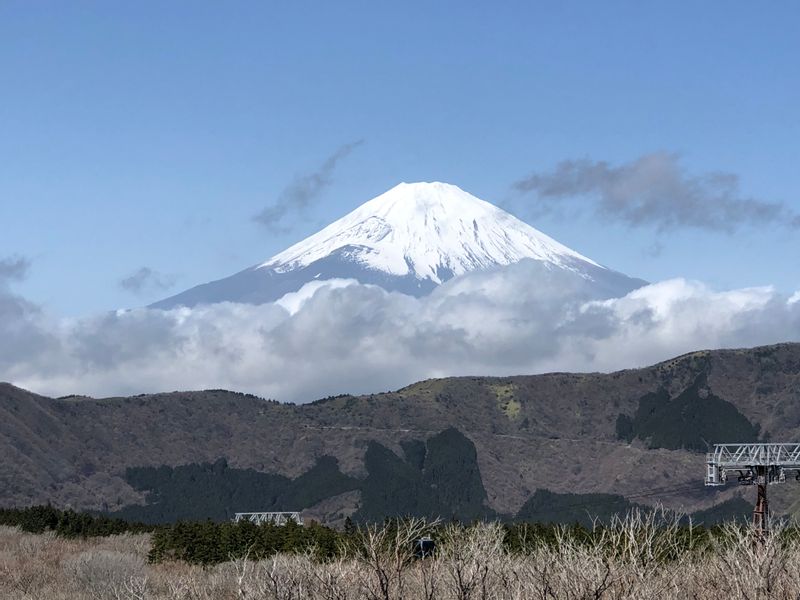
{"x": 409, "y": 239}
{"x": 639, "y": 433}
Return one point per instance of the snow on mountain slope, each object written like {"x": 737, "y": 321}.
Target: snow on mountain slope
{"x": 411, "y": 239}
{"x": 430, "y": 230}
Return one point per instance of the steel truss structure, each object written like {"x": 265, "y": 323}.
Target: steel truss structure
{"x": 754, "y": 464}
{"x": 745, "y": 459}
{"x": 276, "y": 518}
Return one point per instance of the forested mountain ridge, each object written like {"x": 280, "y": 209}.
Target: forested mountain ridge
{"x": 629, "y": 432}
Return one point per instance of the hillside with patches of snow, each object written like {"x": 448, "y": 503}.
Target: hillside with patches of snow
{"x": 410, "y": 239}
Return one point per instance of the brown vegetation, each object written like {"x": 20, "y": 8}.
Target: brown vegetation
{"x": 639, "y": 557}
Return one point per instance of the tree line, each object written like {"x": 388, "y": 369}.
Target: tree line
{"x": 68, "y": 523}
{"x": 208, "y": 542}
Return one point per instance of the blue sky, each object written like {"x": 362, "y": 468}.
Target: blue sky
{"x": 149, "y": 134}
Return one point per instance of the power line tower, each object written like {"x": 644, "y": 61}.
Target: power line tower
{"x": 756, "y": 464}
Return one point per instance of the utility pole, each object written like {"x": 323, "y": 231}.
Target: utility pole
{"x": 761, "y": 510}
{"x": 756, "y": 464}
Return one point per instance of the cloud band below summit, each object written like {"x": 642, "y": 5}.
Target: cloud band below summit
{"x": 356, "y": 338}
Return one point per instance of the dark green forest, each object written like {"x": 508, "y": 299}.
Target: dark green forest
{"x": 216, "y": 491}
{"x": 68, "y": 523}
{"x": 436, "y": 478}
{"x": 691, "y": 421}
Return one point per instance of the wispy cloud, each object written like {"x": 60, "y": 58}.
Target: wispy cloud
{"x": 146, "y": 280}
{"x": 299, "y": 195}
{"x": 14, "y": 268}
{"x": 653, "y": 190}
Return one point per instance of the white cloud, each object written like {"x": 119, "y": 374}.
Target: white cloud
{"x": 294, "y": 301}
{"x": 345, "y": 337}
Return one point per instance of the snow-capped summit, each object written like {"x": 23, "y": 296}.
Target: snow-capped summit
{"x": 430, "y": 230}
{"x": 409, "y": 239}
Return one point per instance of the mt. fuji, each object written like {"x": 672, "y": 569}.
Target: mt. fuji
{"x": 409, "y": 239}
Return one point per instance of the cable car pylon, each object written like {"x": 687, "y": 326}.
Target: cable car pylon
{"x": 755, "y": 464}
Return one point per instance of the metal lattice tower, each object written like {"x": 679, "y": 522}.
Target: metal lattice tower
{"x": 755, "y": 464}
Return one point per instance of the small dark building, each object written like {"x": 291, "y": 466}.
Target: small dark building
{"x": 424, "y": 547}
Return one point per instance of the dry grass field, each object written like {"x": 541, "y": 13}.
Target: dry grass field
{"x": 636, "y": 558}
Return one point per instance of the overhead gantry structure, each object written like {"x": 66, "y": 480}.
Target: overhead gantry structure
{"x": 276, "y": 518}
{"x": 754, "y": 464}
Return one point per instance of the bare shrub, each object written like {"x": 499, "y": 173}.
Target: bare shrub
{"x": 108, "y": 574}
{"x": 284, "y": 578}
{"x": 472, "y": 559}
{"x": 749, "y": 566}
{"x": 640, "y": 556}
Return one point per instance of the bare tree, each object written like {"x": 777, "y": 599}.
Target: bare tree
{"x": 387, "y": 552}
